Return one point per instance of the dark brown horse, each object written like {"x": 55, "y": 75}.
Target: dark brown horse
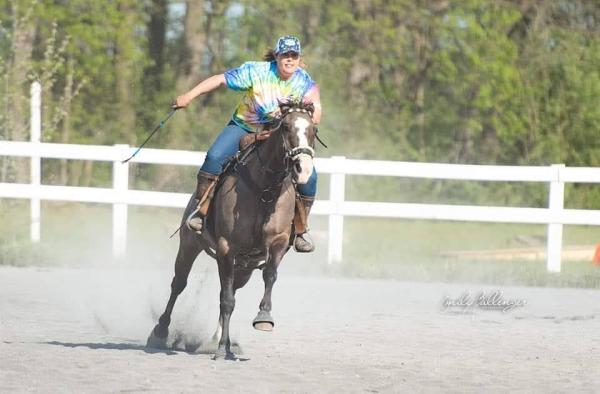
{"x": 249, "y": 224}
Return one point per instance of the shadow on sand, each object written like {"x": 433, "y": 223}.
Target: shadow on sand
{"x": 133, "y": 346}
{"x": 113, "y": 346}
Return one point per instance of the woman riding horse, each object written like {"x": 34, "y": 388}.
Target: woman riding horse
{"x": 266, "y": 84}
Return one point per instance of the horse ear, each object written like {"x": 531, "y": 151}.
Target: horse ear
{"x": 310, "y": 107}
{"x": 284, "y": 106}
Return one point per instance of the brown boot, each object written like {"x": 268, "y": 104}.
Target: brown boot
{"x": 204, "y": 193}
{"x": 303, "y": 242}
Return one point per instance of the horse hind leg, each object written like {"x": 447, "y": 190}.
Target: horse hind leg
{"x": 183, "y": 265}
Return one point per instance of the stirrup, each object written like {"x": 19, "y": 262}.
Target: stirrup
{"x": 191, "y": 216}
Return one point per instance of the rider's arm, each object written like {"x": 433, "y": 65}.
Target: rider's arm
{"x": 205, "y": 86}
{"x": 314, "y": 97}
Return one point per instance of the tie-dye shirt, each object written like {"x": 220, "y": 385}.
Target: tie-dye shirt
{"x": 264, "y": 89}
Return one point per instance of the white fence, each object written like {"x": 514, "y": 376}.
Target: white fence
{"x": 555, "y": 216}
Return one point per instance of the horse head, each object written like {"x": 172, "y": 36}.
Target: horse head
{"x": 298, "y": 131}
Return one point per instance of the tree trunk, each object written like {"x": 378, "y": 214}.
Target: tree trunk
{"x": 215, "y": 35}
{"x": 23, "y": 35}
{"x": 422, "y": 57}
{"x": 195, "y": 45}
{"x": 157, "y": 27}
{"x": 191, "y": 71}
{"x": 88, "y": 167}
{"x": 360, "y": 70}
{"x": 124, "y": 72}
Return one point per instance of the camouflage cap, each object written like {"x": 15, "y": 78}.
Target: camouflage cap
{"x": 288, "y": 44}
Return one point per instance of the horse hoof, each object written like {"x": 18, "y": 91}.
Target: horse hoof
{"x": 155, "y": 341}
{"x": 223, "y": 355}
{"x": 263, "y": 321}
{"x": 263, "y": 326}
{"x": 213, "y": 345}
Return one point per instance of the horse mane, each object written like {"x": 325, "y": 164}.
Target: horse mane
{"x": 289, "y": 105}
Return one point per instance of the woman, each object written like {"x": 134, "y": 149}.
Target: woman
{"x": 278, "y": 78}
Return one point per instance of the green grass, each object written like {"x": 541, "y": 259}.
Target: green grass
{"x": 74, "y": 234}
{"x": 415, "y": 250}
{"x": 80, "y": 235}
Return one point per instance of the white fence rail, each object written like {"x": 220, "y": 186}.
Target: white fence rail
{"x": 555, "y": 216}
{"x": 336, "y": 207}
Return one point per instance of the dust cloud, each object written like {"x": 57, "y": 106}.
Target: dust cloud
{"x": 123, "y": 298}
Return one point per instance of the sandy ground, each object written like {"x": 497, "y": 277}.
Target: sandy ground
{"x": 68, "y": 330}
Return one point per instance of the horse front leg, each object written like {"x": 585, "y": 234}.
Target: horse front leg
{"x": 263, "y": 320}
{"x": 241, "y": 277}
{"x": 227, "y": 303}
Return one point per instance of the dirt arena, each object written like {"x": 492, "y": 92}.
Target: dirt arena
{"x": 69, "y": 330}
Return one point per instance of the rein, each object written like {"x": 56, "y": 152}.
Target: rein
{"x": 268, "y": 194}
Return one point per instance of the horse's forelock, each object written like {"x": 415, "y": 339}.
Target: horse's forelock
{"x": 296, "y": 106}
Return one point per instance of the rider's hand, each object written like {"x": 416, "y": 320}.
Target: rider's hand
{"x": 276, "y": 114}
{"x": 181, "y": 102}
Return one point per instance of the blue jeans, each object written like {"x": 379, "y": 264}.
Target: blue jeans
{"x": 227, "y": 144}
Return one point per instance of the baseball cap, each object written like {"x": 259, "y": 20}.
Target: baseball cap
{"x": 288, "y": 44}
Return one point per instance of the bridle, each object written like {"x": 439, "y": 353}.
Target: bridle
{"x": 291, "y": 155}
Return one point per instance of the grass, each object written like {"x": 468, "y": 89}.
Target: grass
{"x": 20, "y": 253}
{"x": 80, "y": 235}
{"x": 414, "y": 250}
{"x": 75, "y": 234}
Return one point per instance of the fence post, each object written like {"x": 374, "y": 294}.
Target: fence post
{"x": 120, "y": 186}
{"x": 554, "y": 232}
{"x": 36, "y": 165}
{"x": 337, "y": 191}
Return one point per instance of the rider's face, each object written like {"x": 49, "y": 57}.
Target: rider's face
{"x": 287, "y": 64}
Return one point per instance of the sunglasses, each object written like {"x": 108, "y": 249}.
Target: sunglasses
{"x": 293, "y": 55}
